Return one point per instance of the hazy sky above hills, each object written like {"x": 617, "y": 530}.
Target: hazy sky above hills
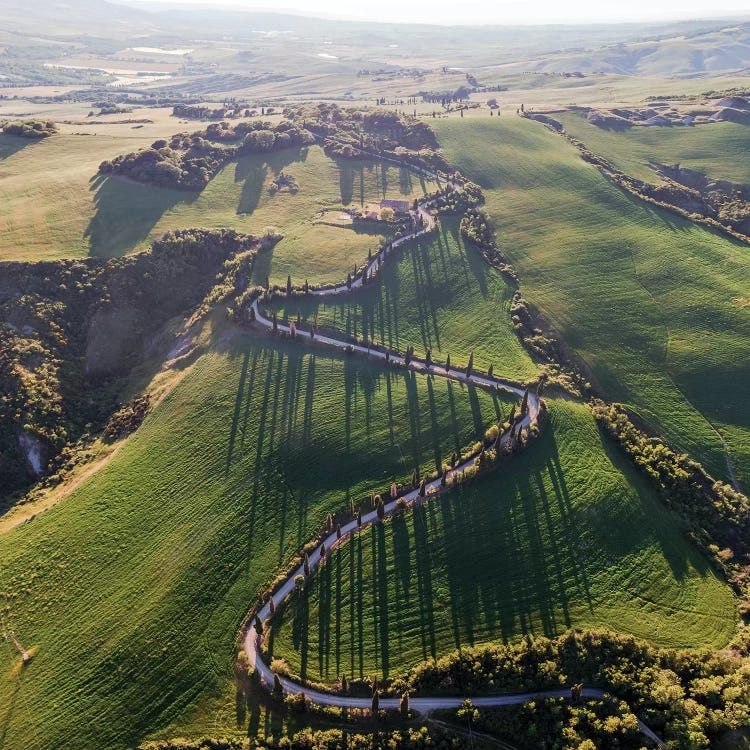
{"x": 501, "y": 11}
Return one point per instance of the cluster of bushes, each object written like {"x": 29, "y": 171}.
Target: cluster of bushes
{"x": 690, "y": 698}
{"x": 188, "y": 161}
{"x": 476, "y": 227}
{"x": 330, "y": 739}
{"x": 206, "y": 112}
{"x": 449, "y": 202}
{"x": 31, "y": 128}
{"x": 718, "y": 516}
{"x": 352, "y": 133}
{"x": 284, "y": 181}
{"x": 606, "y": 723}
{"x": 127, "y": 418}
{"x": 72, "y": 330}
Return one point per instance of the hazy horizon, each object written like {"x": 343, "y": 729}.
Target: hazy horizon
{"x": 483, "y": 12}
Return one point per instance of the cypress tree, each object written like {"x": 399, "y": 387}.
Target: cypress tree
{"x": 323, "y": 551}
{"x": 271, "y": 605}
{"x": 258, "y": 625}
{"x": 306, "y": 564}
{"x": 329, "y": 522}
{"x": 381, "y": 510}
{"x": 415, "y": 478}
{"x": 289, "y": 284}
{"x": 348, "y": 281}
{"x": 338, "y": 531}
{"x": 470, "y": 366}
{"x": 268, "y": 283}
{"x": 454, "y": 460}
{"x": 422, "y": 488}
{"x": 375, "y": 703}
{"x": 428, "y": 358}
{"x": 489, "y": 372}
{"x": 344, "y": 684}
{"x": 359, "y": 518}
{"x": 275, "y": 323}
{"x": 278, "y": 690}
{"x": 448, "y": 363}
{"x": 405, "y": 705}
{"x": 512, "y": 415}
{"x": 312, "y": 330}
{"x": 525, "y": 402}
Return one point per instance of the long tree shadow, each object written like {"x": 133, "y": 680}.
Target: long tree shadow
{"x": 10, "y": 144}
{"x": 126, "y": 213}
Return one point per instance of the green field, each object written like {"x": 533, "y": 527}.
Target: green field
{"x": 132, "y": 588}
{"x": 55, "y": 204}
{"x": 655, "y": 305}
{"x": 238, "y": 196}
{"x": 718, "y": 150}
{"x": 439, "y": 294}
{"x": 566, "y": 535}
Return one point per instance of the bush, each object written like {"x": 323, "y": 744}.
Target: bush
{"x": 31, "y": 128}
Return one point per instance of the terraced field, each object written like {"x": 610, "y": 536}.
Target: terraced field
{"x": 718, "y": 150}
{"x": 566, "y": 535}
{"x": 441, "y": 295}
{"x": 132, "y": 588}
{"x": 655, "y": 305}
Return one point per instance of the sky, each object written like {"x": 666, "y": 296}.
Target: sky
{"x": 500, "y": 11}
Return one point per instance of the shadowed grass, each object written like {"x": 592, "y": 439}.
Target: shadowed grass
{"x": 653, "y": 303}
{"x": 439, "y": 294}
{"x": 132, "y": 588}
{"x": 565, "y": 535}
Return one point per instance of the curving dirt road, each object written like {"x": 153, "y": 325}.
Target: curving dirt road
{"x": 252, "y": 641}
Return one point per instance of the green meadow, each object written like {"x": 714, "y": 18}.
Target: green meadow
{"x": 437, "y": 293}
{"x": 132, "y": 588}
{"x": 566, "y": 535}
{"x": 656, "y": 306}
{"x": 718, "y": 150}
{"x": 57, "y": 206}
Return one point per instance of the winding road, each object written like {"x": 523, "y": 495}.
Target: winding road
{"x": 252, "y": 640}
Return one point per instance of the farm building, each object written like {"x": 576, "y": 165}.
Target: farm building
{"x": 400, "y": 207}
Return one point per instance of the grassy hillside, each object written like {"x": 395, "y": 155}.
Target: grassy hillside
{"x": 131, "y": 589}
{"x": 439, "y": 294}
{"x": 56, "y": 205}
{"x": 718, "y": 150}
{"x": 566, "y": 535}
{"x": 655, "y": 305}
{"x": 238, "y": 196}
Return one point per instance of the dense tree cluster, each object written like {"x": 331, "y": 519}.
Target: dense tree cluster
{"x": 331, "y": 739}
{"x": 188, "y": 161}
{"x": 692, "y": 698}
{"x": 71, "y": 330}
{"x": 476, "y": 226}
{"x": 557, "y": 722}
{"x": 352, "y": 133}
{"x": 30, "y": 128}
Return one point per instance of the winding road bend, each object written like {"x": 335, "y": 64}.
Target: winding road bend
{"x": 252, "y": 641}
